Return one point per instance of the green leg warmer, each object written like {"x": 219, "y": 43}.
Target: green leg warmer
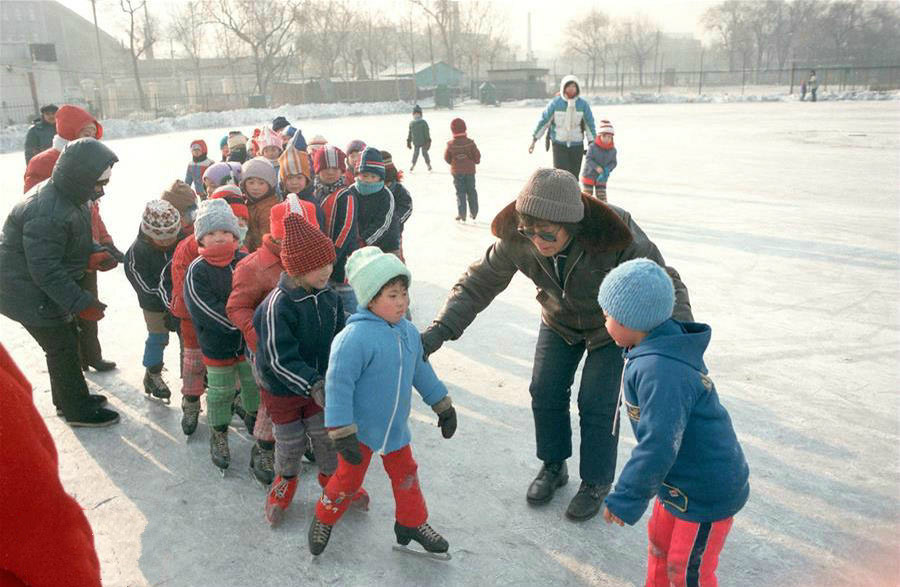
{"x": 220, "y": 394}
{"x": 249, "y": 390}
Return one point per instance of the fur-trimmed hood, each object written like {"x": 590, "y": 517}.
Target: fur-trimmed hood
{"x": 602, "y": 229}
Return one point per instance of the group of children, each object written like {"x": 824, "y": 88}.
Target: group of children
{"x": 270, "y": 270}
{"x": 286, "y": 283}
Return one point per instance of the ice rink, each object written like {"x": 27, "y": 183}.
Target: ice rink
{"x": 782, "y": 219}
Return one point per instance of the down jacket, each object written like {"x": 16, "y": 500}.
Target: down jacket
{"x": 563, "y": 118}
{"x": 46, "y": 241}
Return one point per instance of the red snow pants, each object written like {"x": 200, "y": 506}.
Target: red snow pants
{"x": 346, "y": 481}
{"x": 682, "y": 553}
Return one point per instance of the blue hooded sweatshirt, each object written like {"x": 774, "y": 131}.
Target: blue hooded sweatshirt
{"x": 372, "y": 369}
{"x": 687, "y": 453}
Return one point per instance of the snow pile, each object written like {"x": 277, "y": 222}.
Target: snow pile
{"x": 12, "y": 138}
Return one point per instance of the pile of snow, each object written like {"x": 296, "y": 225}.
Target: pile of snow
{"x": 12, "y": 138}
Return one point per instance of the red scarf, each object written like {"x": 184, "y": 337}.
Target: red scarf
{"x": 603, "y": 145}
{"x": 219, "y": 255}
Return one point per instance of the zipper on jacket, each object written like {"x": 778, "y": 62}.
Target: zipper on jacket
{"x": 562, "y": 286}
{"x": 396, "y": 397}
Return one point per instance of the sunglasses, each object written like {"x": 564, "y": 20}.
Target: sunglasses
{"x": 102, "y": 182}
{"x": 528, "y": 233}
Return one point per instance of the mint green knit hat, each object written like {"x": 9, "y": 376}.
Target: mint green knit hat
{"x": 368, "y": 269}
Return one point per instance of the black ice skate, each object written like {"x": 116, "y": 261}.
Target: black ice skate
{"x": 434, "y": 544}
{"x": 319, "y": 533}
{"x": 262, "y": 464}
{"x": 237, "y": 408}
{"x": 190, "y": 414}
{"x": 155, "y": 386}
{"x": 218, "y": 449}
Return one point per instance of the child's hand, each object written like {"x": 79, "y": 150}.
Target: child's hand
{"x": 611, "y": 517}
{"x": 599, "y": 169}
{"x": 317, "y": 392}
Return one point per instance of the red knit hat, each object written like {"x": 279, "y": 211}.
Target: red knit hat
{"x": 458, "y": 127}
{"x": 329, "y": 157}
{"x": 304, "y": 247}
{"x": 235, "y": 198}
{"x": 201, "y": 144}
{"x": 291, "y": 205}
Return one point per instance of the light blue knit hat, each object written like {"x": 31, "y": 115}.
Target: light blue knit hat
{"x": 639, "y": 294}
{"x": 215, "y": 215}
{"x": 368, "y": 269}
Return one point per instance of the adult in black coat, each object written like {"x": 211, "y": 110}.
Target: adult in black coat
{"x": 40, "y": 135}
{"x": 45, "y": 248}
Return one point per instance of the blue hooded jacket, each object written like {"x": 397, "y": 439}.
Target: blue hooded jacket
{"x": 372, "y": 369}
{"x": 687, "y": 452}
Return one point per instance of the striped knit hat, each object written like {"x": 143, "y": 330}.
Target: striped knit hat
{"x": 234, "y": 197}
{"x": 161, "y": 220}
{"x": 269, "y": 138}
{"x": 605, "y": 126}
{"x": 329, "y": 157}
{"x": 291, "y": 205}
{"x": 371, "y": 162}
{"x": 294, "y": 162}
{"x": 304, "y": 247}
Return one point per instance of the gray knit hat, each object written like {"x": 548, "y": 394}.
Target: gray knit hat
{"x": 260, "y": 168}
{"x": 215, "y": 215}
{"x": 551, "y": 194}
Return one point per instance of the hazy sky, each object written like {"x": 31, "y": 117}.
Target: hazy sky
{"x": 548, "y": 17}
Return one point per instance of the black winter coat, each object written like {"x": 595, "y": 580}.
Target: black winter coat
{"x": 46, "y": 241}
{"x": 144, "y": 264}
{"x": 206, "y": 291}
{"x": 39, "y": 138}
{"x": 379, "y": 219}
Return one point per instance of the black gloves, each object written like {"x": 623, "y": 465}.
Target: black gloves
{"x": 346, "y": 443}
{"x": 433, "y": 337}
{"x": 446, "y": 416}
{"x": 172, "y": 322}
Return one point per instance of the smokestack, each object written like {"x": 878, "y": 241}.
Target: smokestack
{"x": 530, "y": 55}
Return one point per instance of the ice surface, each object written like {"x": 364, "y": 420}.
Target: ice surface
{"x": 783, "y": 221}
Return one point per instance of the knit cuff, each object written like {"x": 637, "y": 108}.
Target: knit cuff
{"x": 443, "y": 405}
{"x": 342, "y": 432}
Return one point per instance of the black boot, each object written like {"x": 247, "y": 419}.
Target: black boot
{"x": 100, "y": 365}
{"x": 587, "y": 502}
{"x": 93, "y": 418}
{"x": 425, "y": 535}
{"x": 95, "y": 400}
{"x": 319, "y": 533}
{"x": 551, "y": 477}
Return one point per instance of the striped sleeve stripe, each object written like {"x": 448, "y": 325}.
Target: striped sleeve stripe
{"x": 348, "y": 222}
{"x": 274, "y": 361}
{"x": 192, "y": 294}
{"x": 132, "y": 268}
{"x": 161, "y": 290}
{"x": 387, "y": 221}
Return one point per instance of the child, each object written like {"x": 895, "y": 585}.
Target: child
{"x": 419, "y": 138}
{"x": 295, "y": 177}
{"x": 599, "y": 163}
{"x": 144, "y": 263}
{"x": 237, "y": 147}
{"x": 270, "y": 145}
{"x": 687, "y": 453}
{"x": 392, "y": 181}
{"x": 197, "y": 167}
{"x": 223, "y": 147}
{"x": 254, "y": 277}
{"x": 339, "y": 207}
{"x": 317, "y": 142}
{"x": 217, "y": 175}
{"x": 379, "y": 219}
{"x": 258, "y": 179}
{"x": 462, "y": 154}
{"x": 354, "y": 151}
{"x": 207, "y": 285}
{"x": 296, "y": 323}
{"x": 192, "y": 367}
{"x": 374, "y": 363}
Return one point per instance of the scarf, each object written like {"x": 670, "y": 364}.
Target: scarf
{"x": 321, "y": 189}
{"x": 219, "y": 255}
{"x": 569, "y": 124}
{"x": 605, "y": 146}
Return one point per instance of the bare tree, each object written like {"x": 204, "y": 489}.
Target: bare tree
{"x": 137, "y": 42}
{"x": 588, "y": 35}
{"x": 729, "y": 21}
{"x": 444, "y": 14}
{"x": 480, "y": 24}
{"x": 791, "y": 20}
{"x": 188, "y": 29}
{"x": 265, "y": 28}
{"x": 843, "y": 21}
{"x": 326, "y": 29}
{"x": 641, "y": 37}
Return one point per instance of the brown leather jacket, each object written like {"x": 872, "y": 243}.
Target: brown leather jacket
{"x": 608, "y": 238}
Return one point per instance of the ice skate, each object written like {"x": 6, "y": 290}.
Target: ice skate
{"x": 319, "y": 534}
{"x": 262, "y": 464}
{"x": 279, "y": 499}
{"x": 434, "y": 544}
{"x": 190, "y": 412}
{"x": 155, "y": 386}
{"x": 218, "y": 449}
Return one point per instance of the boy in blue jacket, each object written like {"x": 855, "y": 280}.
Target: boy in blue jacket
{"x": 599, "y": 162}
{"x": 375, "y": 361}
{"x": 687, "y": 453}
{"x": 207, "y": 285}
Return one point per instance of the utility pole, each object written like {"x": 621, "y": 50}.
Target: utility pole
{"x": 100, "y": 57}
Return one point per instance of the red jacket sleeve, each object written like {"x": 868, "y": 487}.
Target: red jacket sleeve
{"x": 46, "y": 539}
{"x": 98, "y": 228}
{"x": 242, "y": 299}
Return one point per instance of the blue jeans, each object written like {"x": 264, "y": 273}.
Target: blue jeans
{"x": 465, "y": 192}
{"x": 555, "y": 363}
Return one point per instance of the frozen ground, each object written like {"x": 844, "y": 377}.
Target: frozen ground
{"x": 783, "y": 221}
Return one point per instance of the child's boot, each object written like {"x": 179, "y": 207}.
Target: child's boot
{"x": 190, "y": 412}
{"x": 279, "y": 499}
{"x": 424, "y": 534}
{"x": 155, "y": 385}
{"x": 319, "y": 533}
{"x": 262, "y": 462}
{"x": 218, "y": 448}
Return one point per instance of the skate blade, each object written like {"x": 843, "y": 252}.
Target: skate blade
{"x": 438, "y": 556}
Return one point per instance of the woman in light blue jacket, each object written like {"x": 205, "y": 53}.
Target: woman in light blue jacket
{"x": 567, "y": 119}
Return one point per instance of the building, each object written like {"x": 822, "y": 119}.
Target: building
{"x": 518, "y": 83}
{"x": 49, "y": 54}
{"x": 427, "y": 76}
